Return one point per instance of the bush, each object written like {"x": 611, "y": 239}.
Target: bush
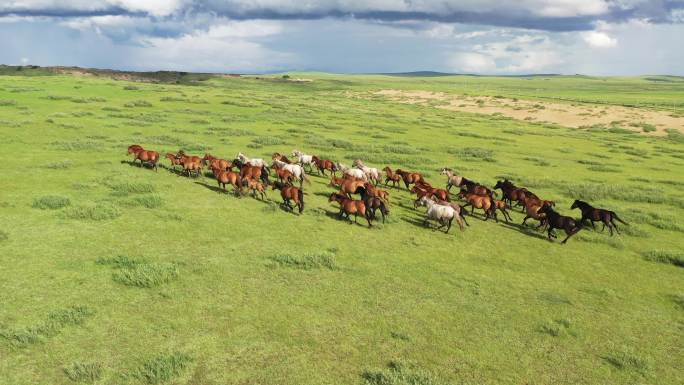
{"x": 147, "y": 275}
{"x": 668, "y": 257}
{"x": 49, "y": 327}
{"x": 59, "y": 165}
{"x": 473, "y": 153}
{"x": 163, "y": 368}
{"x": 306, "y": 262}
{"x": 399, "y": 373}
{"x": 138, "y": 103}
{"x": 149, "y": 201}
{"x": 628, "y": 361}
{"x": 84, "y": 372}
{"x": 51, "y": 202}
{"x": 132, "y": 188}
{"x": 98, "y": 212}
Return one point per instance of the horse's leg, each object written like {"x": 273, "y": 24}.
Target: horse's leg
{"x": 571, "y": 233}
{"x": 525, "y": 220}
{"x": 449, "y": 226}
{"x": 614, "y": 225}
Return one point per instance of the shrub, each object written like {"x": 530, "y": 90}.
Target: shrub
{"x": 628, "y": 361}
{"x": 98, "y": 212}
{"x": 149, "y": 201}
{"x": 50, "y": 326}
{"x": 118, "y": 262}
{"x": 668, "y": 257}
{"x": 3, "y": 235}
{"x": 399, "y": 373}
{"x": 138, "y": 103}
{"x": 147, "y": 275}
{"x": 163, "y": 368}
{"x": 132, "y": 188}
{"x": 131, "y": 88}
{"x": 76, "y": 145}
{"x": 59, "y": 165}
{"x": 473, "y": 153}
{"x": 8, "y": 102}
{"x": 84, "y": 371}
{"x": 558, "y": 328}
{"x": 51, "y": 202}
{"x": 306, "y": 262}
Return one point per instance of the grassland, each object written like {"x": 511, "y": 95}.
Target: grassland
{"x": 115, "y": 274}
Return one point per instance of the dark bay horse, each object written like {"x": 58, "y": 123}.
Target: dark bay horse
{"x": 593, "y": 214}
{"x": 557, "y": 221}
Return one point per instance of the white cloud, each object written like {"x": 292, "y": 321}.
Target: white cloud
{"x": 472, "y": 62}
{"x": 599, "y": 39}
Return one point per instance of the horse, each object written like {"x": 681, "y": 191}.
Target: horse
{"x": 347, "y": 186}
{"x": 324, "y": 164}
{"x": 531, "y": 206}
{"x": 453, "y": 179}
{"x": 437, "y": 192}
{"x": 593, "y": 214}
{"x": 216, "y": 162}
{"x": 146, "y": 156}
{"x": 253, "y": 162}
{"x": 444, "y": 214}
{"x": 510, "y": 192}
{"x": 350, "y": 206}
{"x": 254, "y": 172}
{"x": 410, "y": 178}
{"x": 175, "y": 161}
{"x": 288, "y": 193}
{"x": 255, "y": 186}
{"x": 296, "y": 170}
{"x": 373, "y": 203}
{"x": 391, "y": 177}
{"x": 503, "y": 207}
{"x": 557, "y": 221}
{"x": 484, "y": 202}
{"x": 133, "y": 148}
{"x": 224, "y": 177}
{"x": 376, "y": 192}
{"x": 280, "y": 157}
{"x": 302, "y": 159}
{"x": 352, "y": 172}
{"x": 372, "y": 174}
{"x": 284, "y": 175}
{"x": 477, "y": 189}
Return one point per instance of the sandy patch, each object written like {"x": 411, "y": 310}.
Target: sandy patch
{"x": 565, "y": 114}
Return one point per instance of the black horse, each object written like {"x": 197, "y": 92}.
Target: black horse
{"x": 373, "y": 204}
{"x": 593, "y": 214}
{"x": 557, "y": 221}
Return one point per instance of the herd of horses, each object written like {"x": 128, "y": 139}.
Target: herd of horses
{"x": 253, "y": 175}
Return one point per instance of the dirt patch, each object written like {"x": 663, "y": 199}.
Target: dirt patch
{"x": 565, "y": 114}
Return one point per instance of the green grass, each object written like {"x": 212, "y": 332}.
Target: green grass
{"x": 160, "y": 263}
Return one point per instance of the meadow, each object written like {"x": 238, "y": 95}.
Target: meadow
{"x": 116, "y": 274}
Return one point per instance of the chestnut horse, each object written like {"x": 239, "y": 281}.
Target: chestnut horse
{"x": 216, "y": 162}
{"x": 437, "y": 192}
{"x": 410, "y": 178}
{"x": 133, "y": 148}
{"x": 347, "y": 186}
{"x": 290, "y": 193}
{"x": 175, "y": 161}
{"x": 284, "y": 175}
{"x": 228, "y": 177}
{"x": 391, "y": 177}
{"x": 484, "y": 202}
{"x": 350, "y": 206}
{"x": 254, "y": 185}
{"x": 376, "y": 192}
{"x": 143, "y": 156}
{"x": 280, "y": 157}
{"x": 324, "y": 164}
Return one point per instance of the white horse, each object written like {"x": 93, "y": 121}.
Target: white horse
{"x": 444, "y": 214}
{"x": 372, "y": 174}
{"x": 353, "y": 172}
{"x": 296, "y": 170}
{"x": 452, "y": 179}
{"x": 252, "y": 162}
{"x": 303, "y": 159}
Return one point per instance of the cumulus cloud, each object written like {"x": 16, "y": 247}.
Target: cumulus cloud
{"x": 599, "y": 39}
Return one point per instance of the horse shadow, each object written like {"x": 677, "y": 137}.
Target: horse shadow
{"x": 216, "y": 189}
{"x": 148, "y": 166}
{"x": 526, "y": 230}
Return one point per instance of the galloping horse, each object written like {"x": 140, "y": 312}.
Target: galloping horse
{"x": 429, "y": 190}
{"x": 453, "y": 179}
{"x": 484, "y": 202}
{"x": 347, "y": 186}
{"x": 557, "y": 221}
{"x": 143, "y": 156}
{"x": 253, "y": 162}
{"x": 350, "y": 206}
{"x": 216, "y": 162}
{"x": 224, "y": 177}
{"x": 371, "y": 173}
{"x": 373, "y": 203}
{"x": 256, "y": 186}
{"x": 352, "y": 172}
{"x": 174, "y": 159}
{"x": 391, "y": 177}
{"x": 303, "y": 159}
{"x": 444, "y": 214}
{"x": 296, "y": 170}
{"x": 324, "y": 164}
{"x": 410, "y": 177}
{"x": 288, "y": 193}
{"x": 280, "y": 157}
{"x": 593, "y": 214}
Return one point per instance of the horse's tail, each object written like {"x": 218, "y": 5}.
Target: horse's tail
{"x": 300, "y": 194}
{"x": 618, "y": 219}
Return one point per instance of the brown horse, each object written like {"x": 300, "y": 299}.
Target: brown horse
{"x": 133, "y": 148}
{"x": 532, "y": 207}
{"x": 511, "y": 193}
{"x": 290, "y": 193}
{"x": 557, "y": 221}
{"x": 254, "y": 185}
{"x": 254, "y": 172}
{"x": 324, "y": 164}
{"x": 192, "y": 164}
{"x": 503, "y": 207}
{"x": 350, "y": 206}
{"x": 592, "y": 214}
{"x": 175, "y": 161}
{"x": 228, "y": 177}
{"x": 391, "y": 177}
{"x": 437, "y": 192}
{"x": 280, "y": 157}
{"x": 478, "y": 189}
{"x": 486, "y": 203}
{"x": 284, "y": 176}
{"x": 347, "y": 186}
{"x": 376, "y": 192}
{"x": 216, "y": 162}
{"x": 410, "y": 178}
{"x": 145, "y": 156}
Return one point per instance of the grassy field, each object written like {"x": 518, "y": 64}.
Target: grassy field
{"x": 115, "y": 274}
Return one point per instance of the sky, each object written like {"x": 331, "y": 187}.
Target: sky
{"x": 507, "y": 37}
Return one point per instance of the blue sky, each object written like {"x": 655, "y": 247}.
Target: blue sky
{"x": 596, "y": 37}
